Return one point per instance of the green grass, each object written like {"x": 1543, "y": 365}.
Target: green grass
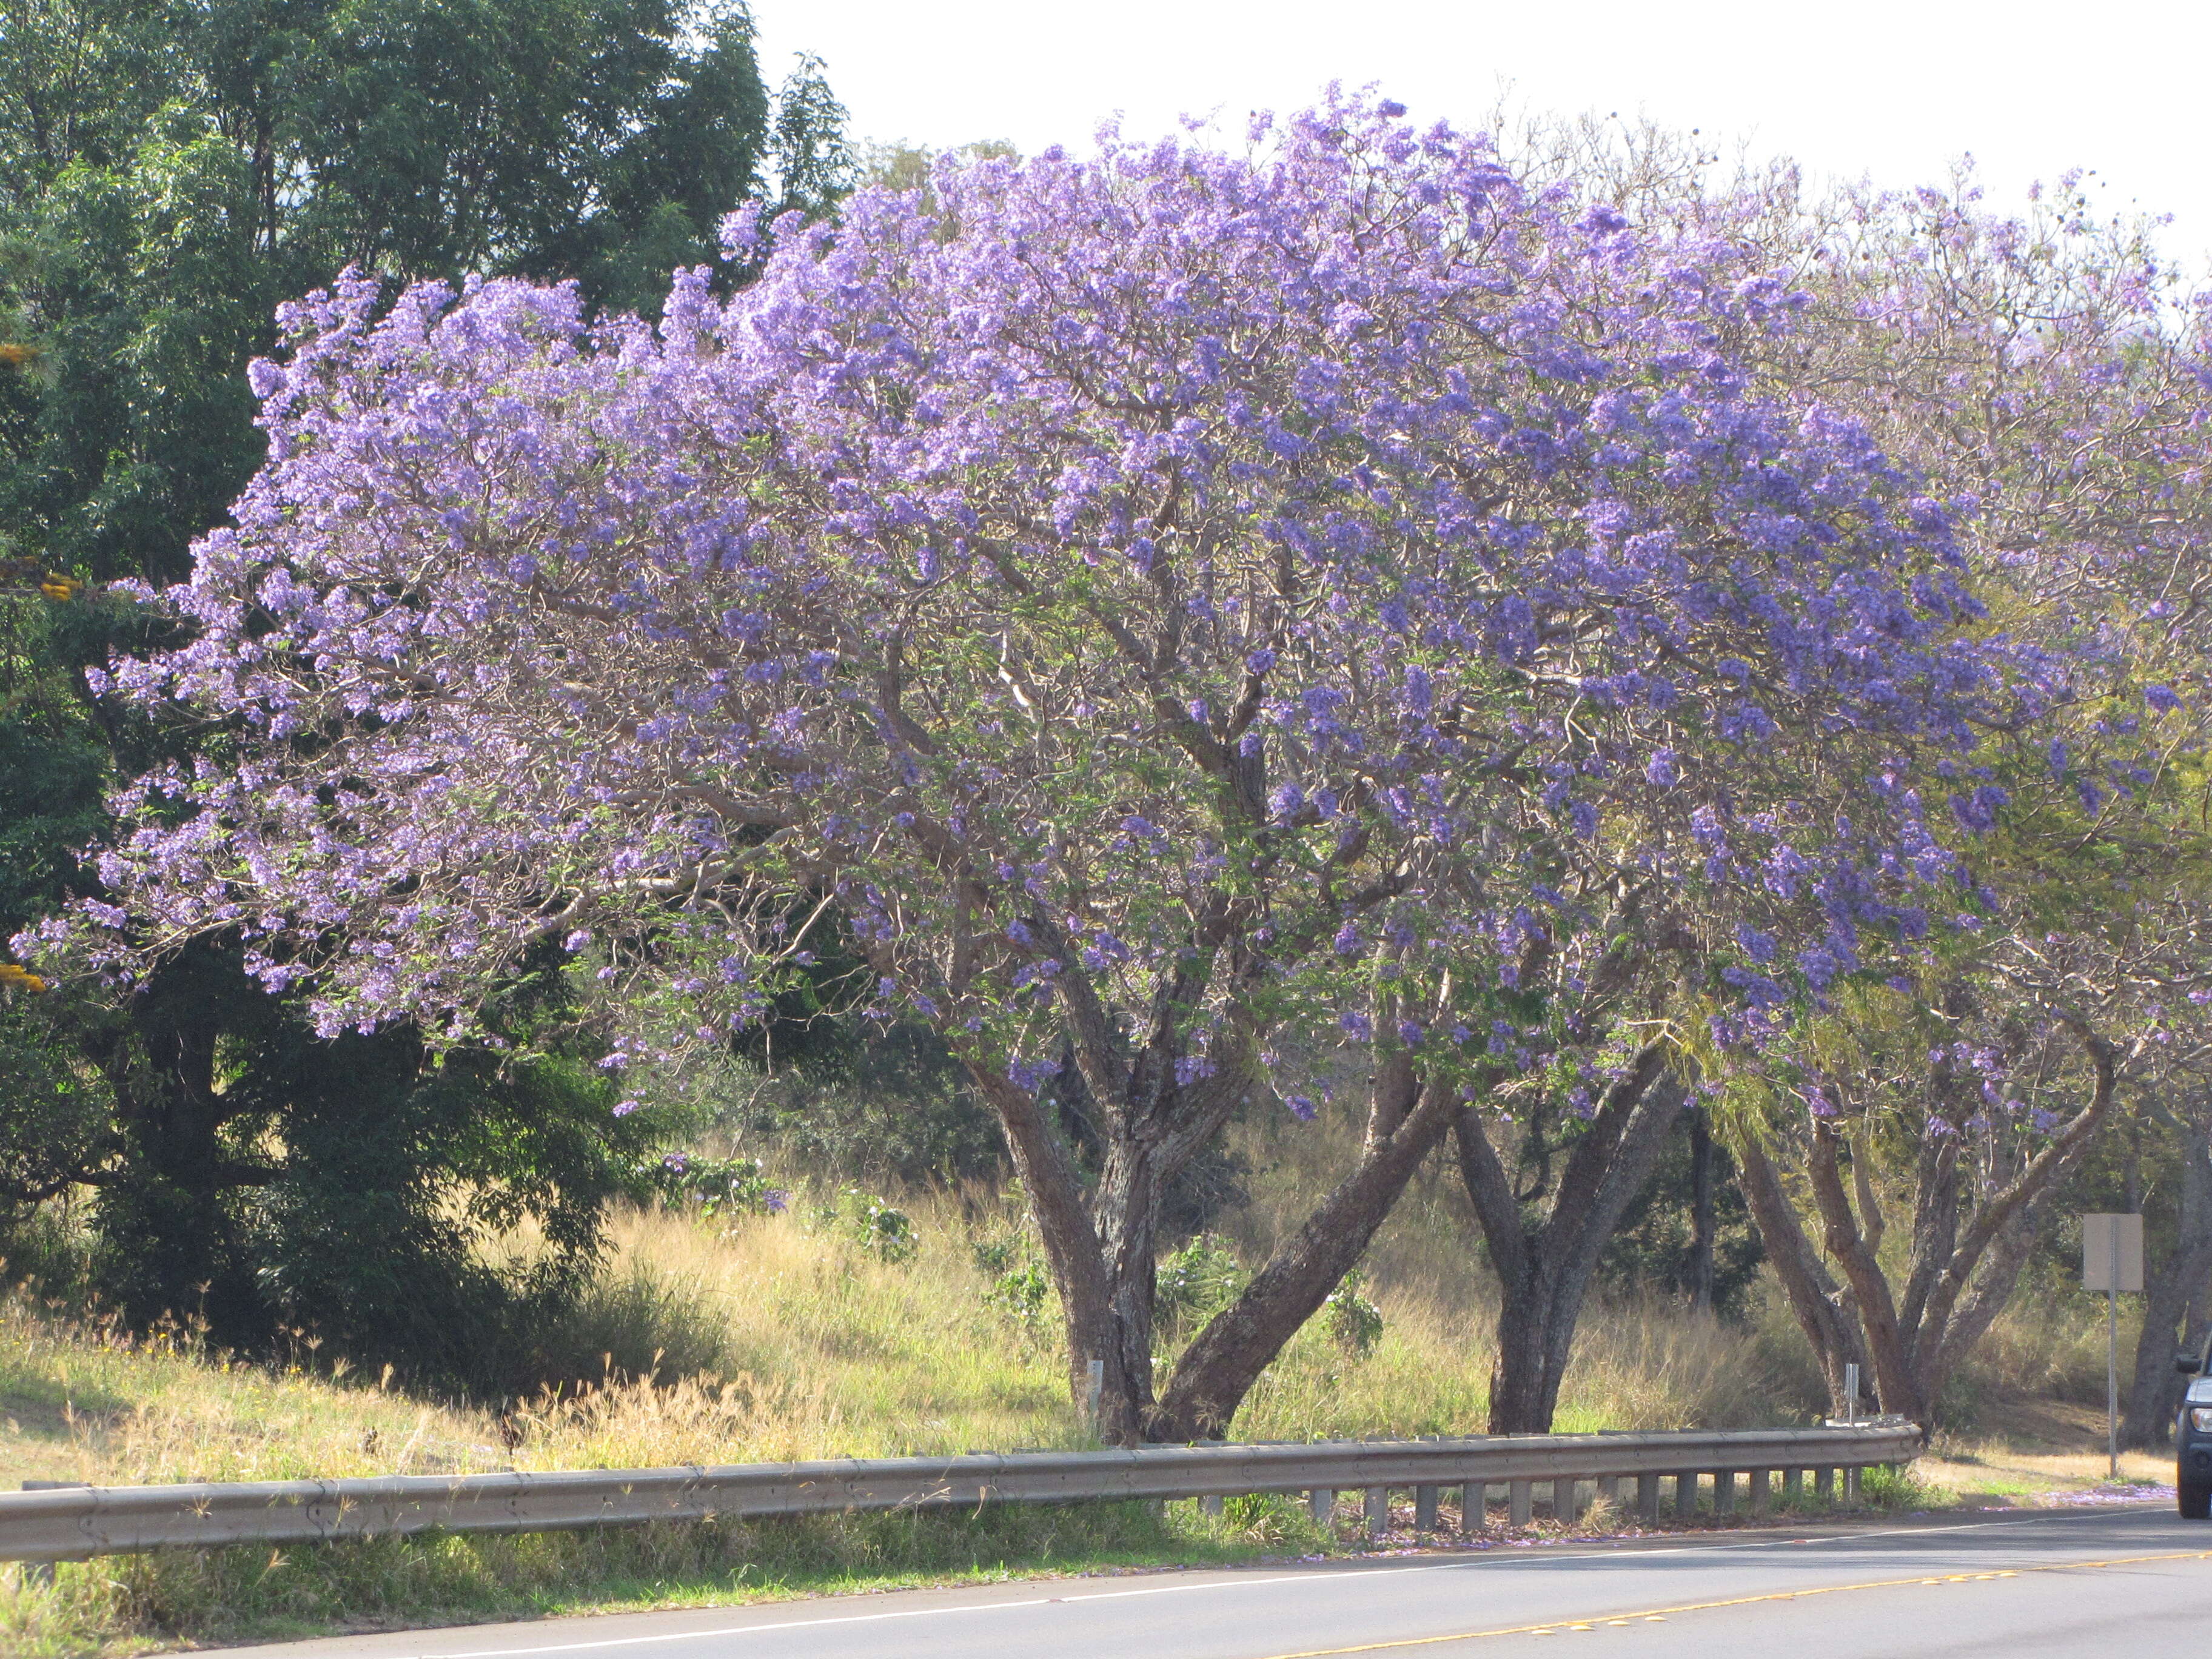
{"x": 124, "y": 1604}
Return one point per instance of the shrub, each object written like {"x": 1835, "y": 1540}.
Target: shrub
{"x": 1195, "y": 1282}
{"x": 1354, "y": 1323}
{"x": 733, "y": 1185}
{"x": 885, "y": 1232}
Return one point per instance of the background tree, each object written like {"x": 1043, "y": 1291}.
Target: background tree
{"x": 168, "y": 173}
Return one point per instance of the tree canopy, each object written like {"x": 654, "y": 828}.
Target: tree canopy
{"x": 1165, "y": 602}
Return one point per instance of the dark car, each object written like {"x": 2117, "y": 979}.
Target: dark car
{"x": 2192, "y": 1438}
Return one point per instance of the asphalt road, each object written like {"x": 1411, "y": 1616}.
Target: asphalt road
{"x": 2129, "y": 1584}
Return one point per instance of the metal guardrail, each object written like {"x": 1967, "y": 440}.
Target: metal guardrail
{"x": 76, "y": 1522}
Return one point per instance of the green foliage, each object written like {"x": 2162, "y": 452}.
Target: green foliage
{"x": 169, "y": 175}
{"x": 1352, "y": 1323}
{"x": 888, "y": 1107}
{"x": 718, "y": 1186}
{"x": 1024, "y": 1294}
{"x": 1194, "y": 1283}
{"x": 882, "y": 1231}
{"x": 1653, "y": 1247}
{"x": 55, "y": 1109}
{"x": 1019, "y": 1288}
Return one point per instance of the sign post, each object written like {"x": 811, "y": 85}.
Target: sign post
{"x": 2113, "y": 1261}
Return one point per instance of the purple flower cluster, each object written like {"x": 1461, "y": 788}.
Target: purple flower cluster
{"x": 1332, "y": 583}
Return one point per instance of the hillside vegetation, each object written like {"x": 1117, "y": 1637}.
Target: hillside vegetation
{"x": 804, "y": 1335}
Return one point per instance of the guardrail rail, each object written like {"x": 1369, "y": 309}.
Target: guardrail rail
{"x": 64, "y": 1523}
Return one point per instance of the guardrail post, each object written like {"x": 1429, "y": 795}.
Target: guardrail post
{"x": 1724, "y": 1491}
{"x": 1686, "y": 1494}
{"x": 1759, "y": 1492}
{"x": 1474, "y": 1506}
{"x": 1320, "y": 1504}
{"x": 1425, "y": 1509}
{"x": 1520, "y": 1502}
{"x": 1824, "y": 1484}
{"x": 1609, "y": 1488}
{"x": 1793, "y": 1488}
{"x": 1647, "y": 1498}
{"x": 1378, "y": 1512}
{"x": 1851, "y": 1483}
{"x": 1210, "y": 1504}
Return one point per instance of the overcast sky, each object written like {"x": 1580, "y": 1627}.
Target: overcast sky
{"x": 1897, "y": 91}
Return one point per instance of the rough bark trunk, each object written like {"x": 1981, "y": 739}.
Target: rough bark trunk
{"x": 1824, "y": 1311}
{"x": 1544, "y": 1265}
{"x": 1101, "y": 1247}
{"x": 2172, "y": 1302}
{"x": 1218, "y": 1369}
{"x": 1072, "y": 1253}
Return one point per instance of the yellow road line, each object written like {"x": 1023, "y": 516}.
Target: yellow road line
{"x": 1659, "y": 1616}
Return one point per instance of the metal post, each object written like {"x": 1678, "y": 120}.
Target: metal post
{"x": 1473, "y": 1498}
{"x": 2113, "y": 1358}
{"x": 1824, "y": 1484}
{"x": 1759, "y": 1492}
{"x": 1724, "y": 1491}
{"x": 1686, "y": 1495}
{"x": 1210, "y": 1504}
{"x": 1320, "y": 1504}
{"x": 1378, "y": 1512}
{"x": 1425, "y": 1509}
{"x": 1647, "y": 1497}
{"x": 1520, "y": 1502}
{"x": 1851, "y": 1393}
{"x": 1095, "y": 1393}
{"x": 1793, "y": 1488}
{"x": 1609, "y": 1488}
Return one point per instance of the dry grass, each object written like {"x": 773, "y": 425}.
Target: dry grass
{"x": 780, "y": 1337}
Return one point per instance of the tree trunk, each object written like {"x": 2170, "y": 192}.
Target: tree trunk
{"x": 2173, "y": 1300}
{"x": 1219, "y": 1368}
{"x": 1103, "y": 1250}
{"x": 1824, "y": 1311}
{"x": 1962, "y": 1271}
{"x": 1544, "y": 1265}
{"x": 1700, "y": 1274}
{"x": 1072, "y": 1251}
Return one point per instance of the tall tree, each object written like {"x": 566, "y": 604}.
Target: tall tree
{"x": 1165, "y": 601}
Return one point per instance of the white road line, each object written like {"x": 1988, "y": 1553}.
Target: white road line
{"x": 1529, "y": 1556}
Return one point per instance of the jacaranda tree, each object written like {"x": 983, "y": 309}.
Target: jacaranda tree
{"x": 2048, "y": 365}
{"x": 1182, "y": 611}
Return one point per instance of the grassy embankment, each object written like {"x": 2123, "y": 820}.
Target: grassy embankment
{"x": 781, "y": 1338}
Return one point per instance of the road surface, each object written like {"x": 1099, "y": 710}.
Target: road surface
{"x": 2110, "y": 1584}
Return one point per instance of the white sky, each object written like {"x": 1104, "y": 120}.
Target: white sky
{"x": 1894, "y": 90}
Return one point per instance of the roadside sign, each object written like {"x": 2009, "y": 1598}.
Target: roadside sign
{"x": 2112, "y": 1253}
{"x": 2111, "y": 1261}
